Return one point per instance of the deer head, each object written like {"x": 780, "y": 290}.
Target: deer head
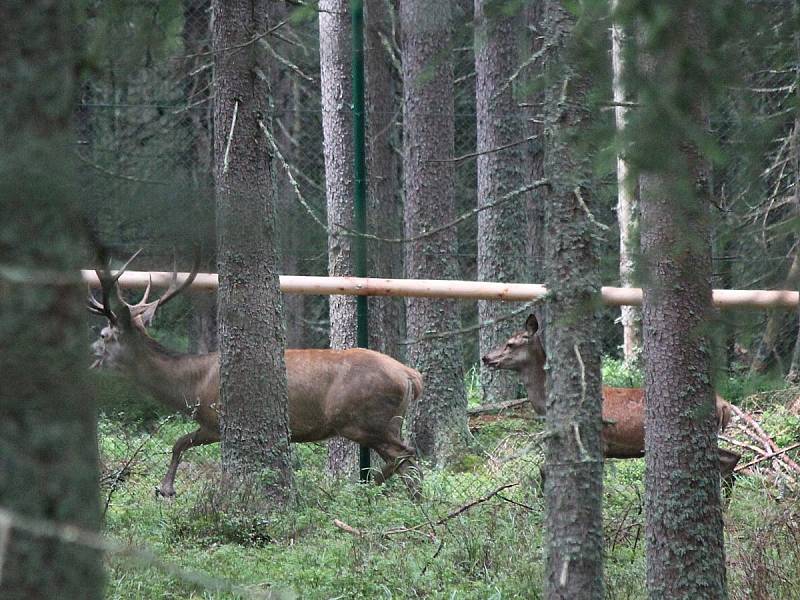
{"x": 523, "y": 352}
{"x": 126, "y": 322}
{"x": 519, "y": 351}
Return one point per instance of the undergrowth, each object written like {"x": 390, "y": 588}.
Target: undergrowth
{"x": 343, "y": 539}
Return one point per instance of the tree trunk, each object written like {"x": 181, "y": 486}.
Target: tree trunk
{"x": 292, "y": 227}
{"x": 534, "y": 156}
{"x": 384, "y": 207}
{"x": 254, "y": 412}
{"x": 198, "y": 158}
{"x": 502, "y": 238}
{"x": 766, "y": 354}
{"x": 337, "y": 128}
{"x": 439, "y": 421}
{"x": 683, "y": 527}
{"x": 48, "y": 453}
{"x": 793, "y": 376}
{"x": 574, "y": 456}
{"x": 627, "y": 205}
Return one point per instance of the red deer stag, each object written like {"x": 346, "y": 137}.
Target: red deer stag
{"x": 623, "y": 408}
{"x": 358, "y": 394}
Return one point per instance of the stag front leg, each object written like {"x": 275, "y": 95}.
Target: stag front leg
{"x": 196, "y": 438}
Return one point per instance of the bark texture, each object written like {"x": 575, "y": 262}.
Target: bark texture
{"x": 384, "y": 206}
{"x": 683, "y": 527}
{"x": 627, "y": 202}
{"x": 574, "y": 457}
{"x": 534, "y": 151}
{"x": 502, "y": 239}
{"x": 288, "y": 129}
{"x": 254, "y": 413}
{"x": 199, "y": 158}
{"x": 337, "y": 128}
{"x": 439, "y": 420}
{"x": 48, "y": 438}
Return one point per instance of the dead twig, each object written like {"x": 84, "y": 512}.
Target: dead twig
{"x": 498, "y": 407}
{"x": 771, "y": 446}
{"x": 767, "y": 457}
{"x": 461, "y": 509}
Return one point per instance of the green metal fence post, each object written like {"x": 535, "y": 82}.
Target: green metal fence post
{"x": 360, "y": 189}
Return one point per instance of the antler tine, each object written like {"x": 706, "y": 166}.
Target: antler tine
{"x": 95, "y": 307}
{"x": 147, "y": 290}
{"x": 175, "y": 289}
{"x": 125, "y": 266}
{"x": 107, "y": 285}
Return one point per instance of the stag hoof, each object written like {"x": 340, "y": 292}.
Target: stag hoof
{"x": 165, "y": 494}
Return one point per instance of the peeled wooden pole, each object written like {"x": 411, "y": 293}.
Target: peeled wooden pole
{"x": 441, "y": 288}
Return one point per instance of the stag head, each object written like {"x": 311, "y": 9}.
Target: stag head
{"x": 124, "y": 320}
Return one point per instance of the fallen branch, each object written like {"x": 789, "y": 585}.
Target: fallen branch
{"x": 348, "y": 528}
{"x": 734, "y": 442}
{"x": 772, "y": 447}
{"x": 767, "y": 457}
{"x": 461, "y": 509}
{"x": 497, "y": 407}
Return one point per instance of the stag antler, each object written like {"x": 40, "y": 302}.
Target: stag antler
{"x": 146, "y": 310}
{"x": 107, "y": 284}
{"x": 143, "y": 309}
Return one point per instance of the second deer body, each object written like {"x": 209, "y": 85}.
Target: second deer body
{"x": 623, "y": 408}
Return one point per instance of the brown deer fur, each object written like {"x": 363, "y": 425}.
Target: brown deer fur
{"x": 358, "y": 394}
{"x": 623, "y": 408}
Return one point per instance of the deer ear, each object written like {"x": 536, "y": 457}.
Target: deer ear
{"x": 531, "y": 324}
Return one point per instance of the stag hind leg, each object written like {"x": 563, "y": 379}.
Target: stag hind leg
{"x": 200, "y": 437}
{"x": 400, "y": 458}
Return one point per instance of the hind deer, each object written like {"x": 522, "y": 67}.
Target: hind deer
{"x": 623, "y": 408}
{"x": 357, "y": 394}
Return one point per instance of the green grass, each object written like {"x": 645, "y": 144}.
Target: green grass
{"x": 492, "y": 550}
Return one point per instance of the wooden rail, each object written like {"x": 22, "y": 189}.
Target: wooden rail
{"x": 439, "y": 288}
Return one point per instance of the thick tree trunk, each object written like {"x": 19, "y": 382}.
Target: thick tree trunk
{"x": 292, "y": 226}
{"x": 574, "y": 457}
{"x": 534, "y": 155}
{"x": 254, "y": 412}
{"x": 683, "y": 527}
{"x": 439, "y": 420}
{"x": 198, "y": 159}
{"x": 627, "y": 205}
{"x": 384, "y": 207}
{"x": 337, "y": 128}
{"x": 48, "y": 453}
{"x": 793, "y": 376}
{"x": 502, "y": 239}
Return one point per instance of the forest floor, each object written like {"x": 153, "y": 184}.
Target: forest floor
{"x": 475, "y": 533}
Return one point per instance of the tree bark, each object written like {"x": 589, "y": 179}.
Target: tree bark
{"x": 48, "y": 452}
{"x": 573, "y": 456}
{"x": 534, "y": 157}
{"x": 502, "y": 240}
{"x": 384, "y": 206}
{"x": 253, "y": 389}
{"x": 292, "y": 226}
{"x": 337, "y": 127}
{"x": 199, "y": 158}
{"x": 683, "y": 526}
{"x": 439, "y": 420}
{"x": 627, "y": 204}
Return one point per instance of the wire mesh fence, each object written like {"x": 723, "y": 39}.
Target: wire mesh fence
{"x": 145, "y": 143}
{"x": 144, "y": 138}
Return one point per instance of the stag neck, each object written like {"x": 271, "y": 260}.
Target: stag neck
{"x": 175, "y": 379}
